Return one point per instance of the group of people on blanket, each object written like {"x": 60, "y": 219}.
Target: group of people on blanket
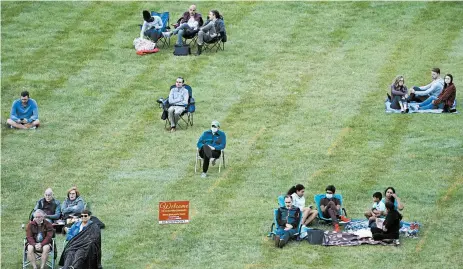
{"x": 439, "y": 94}
{"x": 289, "y": 215}
{"x": 189, "y": 25}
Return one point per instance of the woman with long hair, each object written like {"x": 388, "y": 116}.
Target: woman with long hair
{"x": 391, "y": 196}
{"x": 444, "y": 100}
{"x": 297, "y": 194}
{"x": 399, "y": 94}
{"x": 213, "y": 27}
{"x": 391, "y": 225}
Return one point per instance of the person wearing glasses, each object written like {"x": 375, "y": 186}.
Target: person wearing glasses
{"x": 331, "y": 207}
{"x": 399, "y": 94}
{"x": 39, "y": 234}
{"x": 210, "y": 144}
{"x": 178, "y": 100}
{"x": 288, "y": 218}
{"x": 187, "y": 26}
{"x": 79, "y": 226}
{"x": 73, "y": 204}
{"x": 49, "y": 205}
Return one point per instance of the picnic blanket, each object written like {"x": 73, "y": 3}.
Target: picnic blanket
{"x": 412, "y": 109}
{"x": 144, "y": 46}
{"x": 407, "y": 229}
{"x": 351, "y": 239}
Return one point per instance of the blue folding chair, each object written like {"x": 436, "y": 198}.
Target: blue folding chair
{"x": 165, "y": 41}
{"x": 189, "y": 110}
{"x": 321, "y": 218}
{"x": 274, "y": 226}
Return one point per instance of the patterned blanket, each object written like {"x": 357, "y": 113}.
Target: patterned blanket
{"x": 350, "y": 239}
{"x": 412, "y": 109}
{"x": 407, "y": 229}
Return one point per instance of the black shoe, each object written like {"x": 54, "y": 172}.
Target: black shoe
{"x": 406, "y": 110}
{"x": 277, "y": 241}
{"x": 200, "y": 50}
{"x": 389, "y": 97}
{"x": 403, "y": 112}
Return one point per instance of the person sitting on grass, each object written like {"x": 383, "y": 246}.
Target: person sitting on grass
{"x": 288, "y": 218}
{"x": 187, "y": 26}
{"x": 178, "y": 100}
{"x": 210, "y": 145}
{"x": 152, "y": 26}
{"x": 211, "y": 29}
{"x": 391, "y": 225}
{"x": 419, "y": 94}
{"x": 297, "y": 195}
{"x": 79, "y": 225}
{"x": 39, "y": 234}
{"x": 391, "y": 196}
{"x": 378, "y": 208}
{"x": 49, "y": 205}
{"x": 444, "y": 100}
{"x": 73, "y": 204}
{"x": 331, "y": 207}
{"x": 399, "y": 94}
{"x": 24, "y": 113}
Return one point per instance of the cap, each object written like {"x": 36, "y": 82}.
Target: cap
{"x": 215, "y": 123}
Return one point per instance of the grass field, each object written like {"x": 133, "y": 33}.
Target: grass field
{"x": 299, "y": 91}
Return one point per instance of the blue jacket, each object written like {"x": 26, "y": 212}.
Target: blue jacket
{"x": 290, "y": 216}
{"x": 217, "y": 140}
{"x": 75, "y": 229}
{"x": 29, "y": 112}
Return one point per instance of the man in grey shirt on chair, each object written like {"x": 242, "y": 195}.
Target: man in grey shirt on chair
{"x": 178, "y": 100}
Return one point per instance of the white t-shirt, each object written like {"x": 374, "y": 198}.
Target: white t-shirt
{"x": 380, "y": 206}
{"x": 298, "y": 201}
{"x": 192, "y": 23}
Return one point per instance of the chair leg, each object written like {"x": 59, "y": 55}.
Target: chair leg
{"x": 223, "y": 158}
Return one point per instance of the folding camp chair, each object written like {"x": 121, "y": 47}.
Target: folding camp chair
{"x": 199, "y": 160}
{"x": 189, "y": 110}
{"x": 191, "y": 40}
{"x": 274, "y": 226}
{"x": 163, "y": 40}
{"x": 217, "y": 43}
{"x": 321, "y": 218}
{"x": 38, "y": 255}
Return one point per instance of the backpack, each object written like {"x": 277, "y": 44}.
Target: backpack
{"x": 315, "y": 236}
{"x": 182, "y": 50}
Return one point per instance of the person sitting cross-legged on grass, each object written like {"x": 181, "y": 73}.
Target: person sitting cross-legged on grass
{"x": 331, "y": 206}
{"x": 24, "y": 113}
{"x": 399, "y": 94}
{"x": 210, "y": 144}
{"x": 444, "y": 100}
{"x": 288, "y": 218}
{"x": 391, "y": 196}
{"x": 297, "y": 195}
{"x": 79, "y": 226}
{"x": 187, "y": 26}
{"x": 213, "y": 26}
{"x": 391, "y": 225}
{"x": 434, "y": 88}
{"x": 151, "y": 27}
{"x": 73, "y": 204}
{"x": 178, "y": 100}
{"x": 378, "y": 208}
{"x": 49, "y": 205}
{"x": 39, "y": 234}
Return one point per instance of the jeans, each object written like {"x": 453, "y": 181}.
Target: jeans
{"x": 285, "y": 235}
{"x": 331, "y": 211}
{"x": 427, "y": 104}
{"x": 179, "y": 31}
{"x": 154, "y": 34}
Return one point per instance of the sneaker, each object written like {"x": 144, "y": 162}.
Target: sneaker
{"x": 277, "y": 241}
{"x": 213, "y": 161}
{"x": 344, "y": 219}
{"x": 303, "y": 235}
{"x": 33, "y": 127}
{"x": 172, "y": 129}
{"x": 336, "y": 228}
{"x": 203, "y": 175}
{"x": 166, "y": 34}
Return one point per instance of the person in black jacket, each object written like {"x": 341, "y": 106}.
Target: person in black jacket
{"x": 391, "y": 224}
{"x": 288, "y": 218}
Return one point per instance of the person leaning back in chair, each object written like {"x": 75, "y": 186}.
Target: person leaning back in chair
{"x": 213, "y": 26}
{"x": 24, "y": 113}
{"x": 187, "y": 26}
{"x": 288, "y": 218}
{"x": 210, "y": 145}
{"x": 178, "y": 100}
{"x": 49, "y": 205}
{"x": 39, "y": 234}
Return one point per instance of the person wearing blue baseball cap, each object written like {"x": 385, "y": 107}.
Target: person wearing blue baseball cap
{"x": 210, "y": 145}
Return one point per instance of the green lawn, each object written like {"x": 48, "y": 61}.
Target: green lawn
{"x": 299, "y": 91}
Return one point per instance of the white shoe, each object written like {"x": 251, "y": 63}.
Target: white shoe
{"x": 203, "y": 175}
{"x": 166, "y": 34}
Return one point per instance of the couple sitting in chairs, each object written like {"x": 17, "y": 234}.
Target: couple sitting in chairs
{"x": 191, "y": 24}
